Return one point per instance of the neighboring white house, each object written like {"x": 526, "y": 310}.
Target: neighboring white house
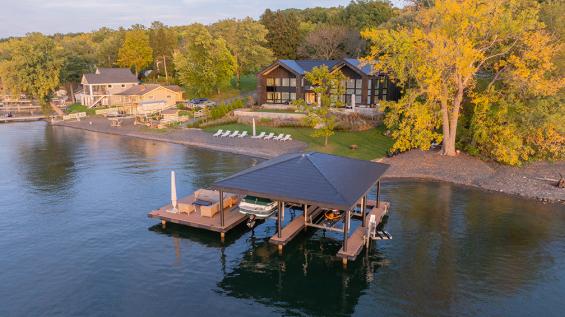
{"x": 101, "y": 86}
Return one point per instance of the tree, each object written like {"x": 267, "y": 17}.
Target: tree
{"x": 136, "y": 51}
{"x": 32, "y": 67}
{"x": 283, "y": 35}
{"x": 108, "y": 43}
{"x": 450, "y": 45}
{"x": 163, "y": 42}
{"x": 367, "y": 13}
{"x": 331, "y": 42}
{"x": 330, "y": 88}
{"x": 246, "y": 40}
{"x": 204, "y": 65}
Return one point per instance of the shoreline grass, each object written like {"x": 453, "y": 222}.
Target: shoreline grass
{"x": 372, "y": 144}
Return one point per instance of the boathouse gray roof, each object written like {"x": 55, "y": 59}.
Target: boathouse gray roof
{"x": 313, "y": 178}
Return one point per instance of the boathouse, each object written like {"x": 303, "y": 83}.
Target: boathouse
{"x": 329, "y": 190}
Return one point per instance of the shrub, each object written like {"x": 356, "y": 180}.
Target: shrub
{"x": 220, "y": 111}
{"x": 75, "y": 108}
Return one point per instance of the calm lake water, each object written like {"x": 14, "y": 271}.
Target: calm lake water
{"x": 75, "y": 241}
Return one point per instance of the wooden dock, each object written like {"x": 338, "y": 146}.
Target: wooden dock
{"x": 195, "y": 220}
{"x": 21, "y": 119}
{"x": 292, "y": 229}
{"x": 355, "y": 242}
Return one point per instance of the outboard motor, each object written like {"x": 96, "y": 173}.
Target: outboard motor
{"x": 251, "y": 221}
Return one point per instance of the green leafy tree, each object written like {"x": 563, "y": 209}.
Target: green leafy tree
{"x": 136, "y": 51}
{"x": 246, "y": 40}
{"x": 32, "y": 67}
{"x": 204, "y": 65}
{"x": 108, "y": 43}
{"x": 284, "y": 34}
{"x": 329, "y": 88}
{"x": 367, "y": 13}
{"x": 163, "y": 42}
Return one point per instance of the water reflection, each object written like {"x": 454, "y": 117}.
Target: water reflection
{"x": 49, "y": 162}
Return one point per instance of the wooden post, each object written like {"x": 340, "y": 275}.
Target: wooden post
{"x": 346, "y": 229}
{"x": 378, "y": 193}
{"x": 279, "y": 227}
{"x": 163, "y": 224}
{"x": 363, "y": 210}
{"x": 222, "y": 208}
{"x": 305, "y": 216}
{"x": 222, "y": 236}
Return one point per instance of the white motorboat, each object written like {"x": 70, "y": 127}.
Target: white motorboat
{"x": 257, "y": 206}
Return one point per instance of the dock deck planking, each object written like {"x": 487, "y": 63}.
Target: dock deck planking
{"x": 292, "y": 229}
{"x": 194, "y": 219}
{"x": 355, "y": 242}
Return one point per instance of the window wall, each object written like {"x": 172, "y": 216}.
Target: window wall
{"x": 352, "y": 87}
{"x": 281, "y": 90}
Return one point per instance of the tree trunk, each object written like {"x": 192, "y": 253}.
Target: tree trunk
{"x": 450, "y": 122}
{"x": 72, "y": 93}
{"x": 238, "y": 79}
{"x": 445, "y": 150}
{"x": 326, "y": 141}
{"x": 165, "y": 66}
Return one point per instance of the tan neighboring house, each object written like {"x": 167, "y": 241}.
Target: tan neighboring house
{"x": 148, "y": 98}
{"x": 101, "y": 87}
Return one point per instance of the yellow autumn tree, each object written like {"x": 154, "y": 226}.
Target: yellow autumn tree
{"x": 453, "y": 50}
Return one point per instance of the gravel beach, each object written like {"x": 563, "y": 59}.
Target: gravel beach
{"x": 535, "y": 180}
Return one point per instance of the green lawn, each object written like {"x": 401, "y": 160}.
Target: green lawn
{"x": 371, "y": 144}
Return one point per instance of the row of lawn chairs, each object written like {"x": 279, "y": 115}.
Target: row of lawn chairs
{"x": 235, "y": 134}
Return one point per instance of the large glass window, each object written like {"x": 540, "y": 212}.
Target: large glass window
{"x": 353, "y": 87}
{"x": 381, "y": 89}
{"x": 281, "y": 90}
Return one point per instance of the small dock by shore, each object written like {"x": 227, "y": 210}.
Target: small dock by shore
{"x": 21, "y": 119}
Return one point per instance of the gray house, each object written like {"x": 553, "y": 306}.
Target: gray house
{"x": 283, "y": 81}
{"x": 98, "y": 88}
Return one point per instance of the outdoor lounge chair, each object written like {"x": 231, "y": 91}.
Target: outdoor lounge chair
{"x": 279, "y": 137}
{"x": 243, "y": 134}
{"x": 225, "y": 134}
{"x": 270, "y": 136}
{"x": 234, "y": 134}
{"x": 218, "y": 133}
{"x": 287, "y": 138}
{"x": 259, "y": 136}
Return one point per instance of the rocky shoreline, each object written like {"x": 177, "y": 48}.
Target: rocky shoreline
{"x": 535, "y": 181}
{"x": 531, "y": 181}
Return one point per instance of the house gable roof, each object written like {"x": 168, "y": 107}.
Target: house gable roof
{"x": 143, "y": 89}
{"x": 300, "y": 67}
{"x": 110, "y": 76}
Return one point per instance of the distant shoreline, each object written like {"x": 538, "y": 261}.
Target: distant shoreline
{"x": 464, "y": 170}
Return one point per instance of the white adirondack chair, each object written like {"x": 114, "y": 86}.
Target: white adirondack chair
{"x": 225, "y": 134}
{"x": 279, "y": 137}
{"x": 243, "y": 134}
{"x": 234, "y": 134}
{"x": 287, "y": 138}
{"x": 218, "y": 132}
{"x": 270, "y": 136}
{"x": 259, "y": 136}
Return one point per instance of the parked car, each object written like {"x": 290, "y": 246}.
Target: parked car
{"x": 209, "y": 103}
{"x": 198, "y": 101}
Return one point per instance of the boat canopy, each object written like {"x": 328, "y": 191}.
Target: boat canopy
{"x": 320, "y": 179}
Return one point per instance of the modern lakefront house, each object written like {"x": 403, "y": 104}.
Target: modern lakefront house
{"x": 283, "y": 82}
